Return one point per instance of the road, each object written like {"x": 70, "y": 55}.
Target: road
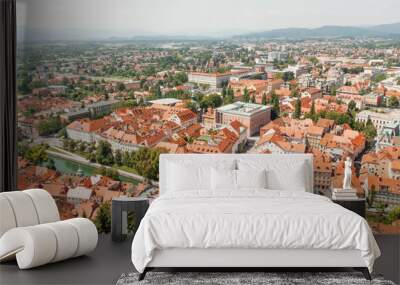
{"x": 51, "y": 141}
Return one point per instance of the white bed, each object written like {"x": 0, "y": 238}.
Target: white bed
{"x": 248, "y": 227}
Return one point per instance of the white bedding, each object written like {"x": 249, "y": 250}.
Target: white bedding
{"x": 251, "y": 218}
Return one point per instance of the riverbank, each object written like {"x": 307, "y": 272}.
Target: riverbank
{"x": 69, "y": 156}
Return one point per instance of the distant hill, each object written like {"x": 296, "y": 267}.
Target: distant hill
{"x": 48, "y": 35}
{"x": 387, "y": 28}
{"x": 26, "y": 34}
{"x": 327, "y": 32}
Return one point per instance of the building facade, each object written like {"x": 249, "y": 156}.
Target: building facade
{"x": 214, "y": 80}
{"x": 379, "y": 119}
{"x": 252, "y": 116}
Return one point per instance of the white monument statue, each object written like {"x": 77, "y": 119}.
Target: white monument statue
{"x": 347, "y": 174}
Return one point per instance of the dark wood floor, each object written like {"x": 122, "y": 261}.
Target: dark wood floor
{"x": 103, "y": 266}
{"x": 110, "y": 260}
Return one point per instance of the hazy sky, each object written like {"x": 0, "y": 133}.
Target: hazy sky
{"x": 200, "y": 17}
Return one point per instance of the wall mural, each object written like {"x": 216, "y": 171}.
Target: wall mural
{"x": 94, "y": 115}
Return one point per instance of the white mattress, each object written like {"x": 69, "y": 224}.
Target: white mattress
{"x": 250, "y": 219}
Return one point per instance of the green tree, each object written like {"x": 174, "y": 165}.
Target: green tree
{"x": 371, "y": 196}
{"x": 287, "y": 76}
{"x": 264, "y": 99}
{"x": 37, "y": 84}
{"x": 30, "y": 111}
{"x": 224, "y": 92}
{"x": 121, "y": 86}
{"x": 228, "y": 99}
{"x": 23, "y": 84}
{"x": 294, "y": 93}
{"x": 275, "y": 106}
{"x": 212, "y": 100}
{"x": 246, "y": 96}
{"x": 92, "y": 157}
{"x": 145, "y": 162}
{"x": 72, "y": 145}
{"x": 118, "y": 157}
{"x": 103, "y": 218}
{"x": 82, "y": 146}
{"x": 157, "y": 91}
{"x": 49, "y": 126}
{"x": 126, "y": 159}
{"x": 104, "y": 153}
{"x": 333, "y": 91}
{"x": 352, "y": 105}
{"x": 314, "y": 60}
{"x": 192, "y": 106}
{"x": 297, "y": 109}
{"x": 313, "y": 113}
{"x": 37, "y": 153}
{"x": 230, "y": 92}
{"x": 112, "y": 173}
{"x": 394, "y": 215}
{"x": 66, "y": 143}
{"x": 393, "y": 102}
{"x": 369, "y": 130}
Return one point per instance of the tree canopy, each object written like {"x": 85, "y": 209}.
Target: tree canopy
{"x": 104, "y": 154}
{"x": 275, "y": 106}
{"x": 297, "y": 109}
{"x": 246, "y": 96}
{"x": 212, "y": 100}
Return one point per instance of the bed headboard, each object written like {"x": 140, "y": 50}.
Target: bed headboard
{"x": 209, "y": 159}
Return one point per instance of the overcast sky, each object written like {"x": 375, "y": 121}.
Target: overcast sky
{"x": 199, "y": 17}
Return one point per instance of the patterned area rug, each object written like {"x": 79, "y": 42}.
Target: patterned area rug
{"x": 243, "y": 278}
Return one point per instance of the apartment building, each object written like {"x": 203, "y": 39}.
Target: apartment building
{"x": 322, "y": 174}
{"x": 379, "y": 119}
{"x": 347, "y": 98}
{"x": 373, "y": 99}
{"x": 389, "y": 136}
{"x": 252, "y": 116}
{"x": 380, "y": 172}
{"x": 314, "y": 136}
{"x": 214, "y": 80}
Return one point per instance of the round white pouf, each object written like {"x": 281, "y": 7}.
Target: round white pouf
{"x": 67, "y": 240}
{"x": 87, "y": 235}
{"x": 40, "y": 244}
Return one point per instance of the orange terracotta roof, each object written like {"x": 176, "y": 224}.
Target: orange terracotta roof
{"x": 325, "y": 123}
{"x": 395, "y": 165}
{"x": 86, "y": 125}
{"x": 315, "y": 130}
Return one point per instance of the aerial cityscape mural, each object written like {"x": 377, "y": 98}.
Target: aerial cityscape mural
{"x": 94, "y": 115}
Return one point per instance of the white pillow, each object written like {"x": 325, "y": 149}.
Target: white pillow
{"x": 223, "y": 179}
{"x": 189, "y": 175}
{"x": 282, "y": 174}
{"x": 182, "y": 177}
{"x": 292, "y": 178}
{"x": 251, "y": 178}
